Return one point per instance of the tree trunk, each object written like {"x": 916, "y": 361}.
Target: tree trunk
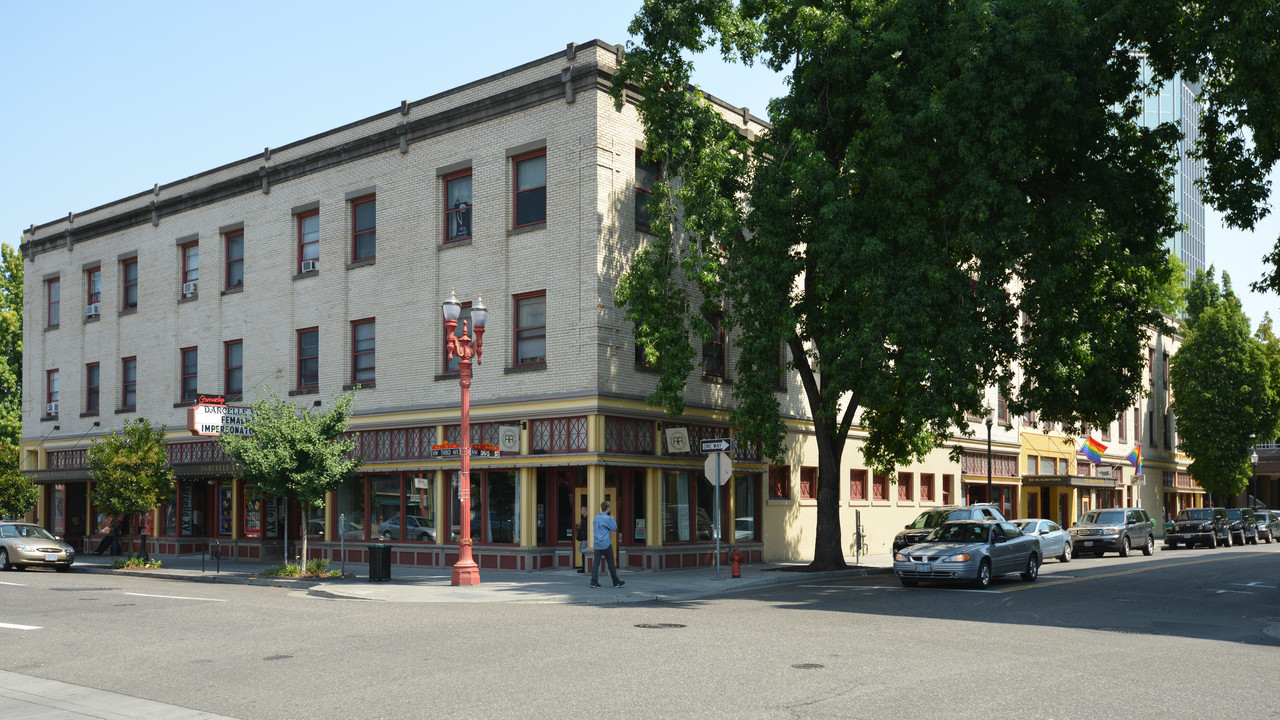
{"x": 828, "y": 543}
{"x": 302, "y": 524}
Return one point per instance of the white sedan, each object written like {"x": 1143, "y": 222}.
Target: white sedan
{"x": 1054, "y": 541}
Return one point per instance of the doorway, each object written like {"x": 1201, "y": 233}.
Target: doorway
{"x": 579, "y": 502}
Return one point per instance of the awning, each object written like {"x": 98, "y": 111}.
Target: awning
{"x": 54, "y": 477}
{"x": 1076, "y": 481}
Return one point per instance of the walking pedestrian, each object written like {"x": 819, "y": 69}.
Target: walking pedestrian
{"x": 604, "y": 526}
{"x": 112, "y": 539}
{"x": 583, "y": 547}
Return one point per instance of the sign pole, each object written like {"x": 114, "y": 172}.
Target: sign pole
{"x": 717, "y": 525}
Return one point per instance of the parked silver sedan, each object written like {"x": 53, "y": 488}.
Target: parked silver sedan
{"x": 1054, "y": 541}
{"x": 24, "y": 545}
{"x": 969, "y": 550}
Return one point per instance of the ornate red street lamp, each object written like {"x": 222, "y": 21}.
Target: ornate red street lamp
{"x": 465, "y": 571}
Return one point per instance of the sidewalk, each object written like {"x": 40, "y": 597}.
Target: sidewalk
{"x": 424, "y": 585}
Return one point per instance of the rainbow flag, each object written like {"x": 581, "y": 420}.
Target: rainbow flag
{"x": 1093, "y": 450}
{"x": 1135, "y": 459}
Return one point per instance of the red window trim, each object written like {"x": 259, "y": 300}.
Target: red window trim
{"x": 356, "y": 353}
{"x": 515, "y": 184}
{"x": 927, "y": 488}
{"x": 125, "y": 285}
{"x": 227, "y": 259}
{"x": 858, "y": 480}
{"x": 779, "y": 482}
{"x": 91, "y": 297}
{"x": 808, "y": 482}
{"x": 50, "y": 303}
{"x": 48, "y": 388}
{"x": 187, "y": 269}
{"x": 906, "y": 489}
{"x": 126, "y": 384}
{"x": 299, "y": 219}
{"x": 516, "y": 328}
{"x": 92, "y": 393}
{"x": 300, "y": 357}
{"x": 227, "y": 367}
{"x": 183, "y": 375}
{"x": 449, "y": 212}
{"x": 722, "y": 341}
{"x": 355, "y": 233}
{"x": 879, "y": 487}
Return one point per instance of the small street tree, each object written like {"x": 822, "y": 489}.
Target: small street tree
{"x": 130, "y": 469}
{"x": 292, "y": 452}
{"x": 17, "y": 493}
{"x": 10, "y": 346}
{"x": 1224, "y": 387}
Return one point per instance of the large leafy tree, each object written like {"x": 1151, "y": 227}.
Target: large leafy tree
{"x": 130, "y": 468}
{"x": 1224, "y": 388}
{"x": 10, "y": 346}
{"x": 295, "y": 453}
{"x": 948, "y": 191}
{"x": 17, "y": 493}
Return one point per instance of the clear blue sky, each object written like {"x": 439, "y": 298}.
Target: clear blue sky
{"x": 105, "y": 99}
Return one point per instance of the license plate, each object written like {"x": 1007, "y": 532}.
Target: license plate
{"x": 1087, "y": 543}
{"x": 52, "y": 557}
{"x": 923, "y": 568}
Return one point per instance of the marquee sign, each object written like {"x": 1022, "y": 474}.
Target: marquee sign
{"x": 215, "y": 417}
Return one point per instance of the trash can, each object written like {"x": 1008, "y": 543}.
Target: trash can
{"x": 379, "y": 563}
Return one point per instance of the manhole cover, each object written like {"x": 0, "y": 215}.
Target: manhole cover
{"x": 278, "y": 657}
{"x": 808, "y": 666}
{"x": 659, "y": 626}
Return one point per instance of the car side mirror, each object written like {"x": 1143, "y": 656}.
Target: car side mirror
{"x": 907, "y": 526}
{"x": 1044, "y": 532}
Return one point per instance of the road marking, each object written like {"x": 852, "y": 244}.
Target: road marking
{"x": 1256, "y": 584}
{"x": 13, "y": 584}
{"x": 1238, "y": 592}
{"x": 11, "y": 626}
{"x": 176, "y": 597}
{"x": 890, "y": 587}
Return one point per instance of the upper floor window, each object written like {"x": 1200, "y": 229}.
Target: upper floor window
{"x": 233, "y": 368}
{"x": 190, "y": 268}
{"x": 1002, "y": 409}
{"x": 879, "y": 486}
{"x": 531, "y": 329}
{"x": 234, "y": 242}
{"x": 1120, "y": 426}
{"x": 858, "y": 485}
{"x": 647, "y": 173}
{"x": 808, "y": 482}
{"x": 51, "y": 393}
{"x": 91, "y": 394}
{"x": 905, "y": 482}
{"x": 308, "y": 358}
{"x": 531, "y": 188}
{"x": 363, "y": 337}
{"x": 308, "y": 241}
{"x": 457, "y": 206}
{"x": 1165, "y": 368}
{"x": 713, "y": 364}
{"x": 364, "y": 228}
{"x": 128, "y": 383}
{"x": 1105, "y": 430}
{"x": 190, "y": 373}
{"x": 780, "y": 482}
{"x": 93, "y": 287}
{"x": 53, "y": 301}
{"x": 129, "y": 286}
{"x": 464, "y": 318}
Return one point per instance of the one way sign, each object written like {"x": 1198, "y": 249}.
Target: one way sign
{"x": 716, "y": 445}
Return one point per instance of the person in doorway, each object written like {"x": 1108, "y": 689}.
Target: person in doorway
{"x": 583, "y": 548}
{"x": 112, "y": 538}
{"x": 604, "y": 526}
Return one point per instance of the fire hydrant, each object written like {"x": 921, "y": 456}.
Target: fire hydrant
{"x": 736, "y": 557}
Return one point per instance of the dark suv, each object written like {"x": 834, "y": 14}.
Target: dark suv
{"x": 920, "y": 528}
{"x": 1199, "y": 526}
{"x": 1244, "y": 529}
{"x": 1113, "y": 530}
{"x": 1268, "y": 524}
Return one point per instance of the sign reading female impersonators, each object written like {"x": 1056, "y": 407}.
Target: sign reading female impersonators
{"x": 211, "y": 419}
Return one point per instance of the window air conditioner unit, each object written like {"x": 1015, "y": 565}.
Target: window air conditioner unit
{"x": 189, "y": 288}
{"x": 310, "y": 265}
{"x": 51, "y": 409}
{"x": 91, "y": 310}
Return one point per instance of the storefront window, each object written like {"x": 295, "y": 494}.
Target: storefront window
{"x": 677, "y": 507}
{"x": 169, "y": 513}
{"x": 349, "y": 507}
{"x": 706, "y": 510}
{"x": 385, "y": 494}
{"x": 226, "y": 508}
{"x": 639, "y": 517}
{"x": 420, "y": 504}
{"x": 502, "y": 501}
{"x": 744, "y": 508}
{"x": 315, "y": 521}
{"x": 252, "y": 512}
{"x": 271, "y": 515}
{"x": 455, "y": 508}
{"x": 57, "y": 509}
{"x": 192, "y": 515}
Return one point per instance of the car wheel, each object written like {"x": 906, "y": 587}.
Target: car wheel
{"x": 4, "y": 559}
{"x": 1124, "y": 546}
{"x": 386, "y": 535}
{"x": 908, "y": 582}
{"x": 1066, "y": 553}
{"x": 1150, "y": 548}
{"x": 983, "y": 580}
{"x": 1171, "y": 544}
{"x": 1268, "y": 539}
{"x": 1226, "y": 540}
{"x": 1033, "y": 568}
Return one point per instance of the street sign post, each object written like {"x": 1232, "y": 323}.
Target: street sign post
{"x": 718, "y": 469}
{"x": 717, "y": 445}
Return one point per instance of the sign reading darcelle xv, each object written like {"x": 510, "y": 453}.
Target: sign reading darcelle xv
{"x": 219, "y": 419}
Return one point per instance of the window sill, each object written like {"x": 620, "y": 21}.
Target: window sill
{"x": 649, "y": 369}
{"x": 51, "y": 327}
{"x": 360, "y": 386}
{"x": 456, "y": 243}
{"x": 310, "y": 273}
{"x": 531, "y": 367}
{"x": 527, "y": 228}
{"x": 233, "y": 290}
{"x": 122, "y": 411}
{"x": 93, "y": 413}
{"x": 185, "y": 403}
{"x": 189, "y": 298}
{"x": 304, "y": 391}
{"x": 778, "y": 501}
{"x": 716, "y": 380}
{"x": 127, "y": 311}
{"x": 92, "y": 319}
{"x": 49, "y": 418}
{"x": 361, "y": 263}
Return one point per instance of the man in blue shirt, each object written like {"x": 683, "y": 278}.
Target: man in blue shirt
{"x": 602, "y": 527}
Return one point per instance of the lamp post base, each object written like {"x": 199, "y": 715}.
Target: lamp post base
{"x": 465, "y": 572}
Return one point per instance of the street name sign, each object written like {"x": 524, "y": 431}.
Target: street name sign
{"x": 716, "y": 445}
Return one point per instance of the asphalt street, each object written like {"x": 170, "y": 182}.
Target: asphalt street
{"x": 1186, "y": 633}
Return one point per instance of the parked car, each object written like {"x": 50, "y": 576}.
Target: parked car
{"x": 969, "y": 550}
{"x": 1242, "y": 525}
{"x": 1114, "y": 530}
{"x": 1054, "y": 541}
{"x": 416, "y": 528}
{"x": 1268, "y": 524}
{"x": 1199, "y": 526}
{"x": 24, "y": 545}
{"x": 919, "y": 529}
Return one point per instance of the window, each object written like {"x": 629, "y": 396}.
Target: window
{"x": 129, "y": 294}
{"x": 808, "y": 483}
{"x": 457, "y": 206}
{"x": 947, "y": 480}
{"x": 93, "y": 286}
{"x": 531, "y": 188}
{"x": 190, "y": 268}
{"x": 234, "y": 242}
{"x": 1033, "y": 465}
{"x": 1002, "y": 409}
{"x": 1151, "y": 367}
{"x": 364, "y": 228}
{"x": 1151, "y": 427}
{"x": 51, "y": 393}
{"x": 1165, "y": 370}
{"x": 905, "y": 482}
{"x": 53, "y": 298}
{"x": 926, "y": 487}
{"x": 531, "y": 329}
{"x": 91, "y": 378}
{"x": 857, "y": 484}
{"x": 362, "y": 351}
{"x": 233, "y": 368}
{"x": 1105, "y": 430}
{"x": 713, "y": 351}
{"x": 128, "y": 383}
{"x": 647, "y": 173}
{"x": 308, "y": 358}
{"x": 308, "y": 240}
{"x": 190, "y": 378}
{"x": 780, "y": 482}
{"x": 1121, "y": 427}
{"x": 879, "y": 486}
{"x": 464, "y": 317}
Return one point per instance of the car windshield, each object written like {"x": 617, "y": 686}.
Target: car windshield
{"x": 959, "y": 532}
{"x": 934, "y": 518}
{"x": 1197, "y": 514}
{"x": 1104, "y": 517}
{"x": 1023, "y": 524}
{"x": 1234, "y": 514}
{"x": 27, "y": 531}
